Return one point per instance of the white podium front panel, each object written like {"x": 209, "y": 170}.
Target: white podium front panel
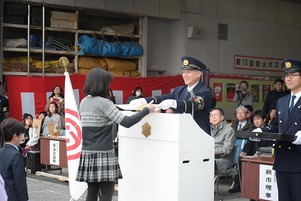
{"x": 176, "y": 162}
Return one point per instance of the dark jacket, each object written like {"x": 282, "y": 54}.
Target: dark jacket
{"x": 13, "y": 172}
{"x": 248, "y": 127}
{"x": 251, "y": 147}
{"x": 271, "y": 100}
{"x": 287, "y": 155}
{"x": 186, "y": 105}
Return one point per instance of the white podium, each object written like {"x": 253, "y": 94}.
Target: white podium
{"x": 175, "y": 163}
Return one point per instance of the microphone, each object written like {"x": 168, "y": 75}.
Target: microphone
{"x": 192, "y": 102}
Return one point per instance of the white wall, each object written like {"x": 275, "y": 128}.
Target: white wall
{"x": 269, "y": 28}
{"x": 166, "y": 45}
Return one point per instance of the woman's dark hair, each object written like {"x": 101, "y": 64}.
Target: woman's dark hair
{"x": 43, "y": 112}
{"x": 97, "y": 83}
{"x": 25, "y": 115}
{"x": 11, "y": 126}
{"x": 61, "y": 94}
{"x": 134, "y": 92}
{"x": 56, "y": 108}
{"x": 268, "y": 117}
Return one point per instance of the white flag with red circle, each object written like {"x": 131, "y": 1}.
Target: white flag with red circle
{"x": 73, "y": 139}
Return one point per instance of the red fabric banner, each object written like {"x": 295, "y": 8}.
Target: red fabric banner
{"x": 29, "y": 94}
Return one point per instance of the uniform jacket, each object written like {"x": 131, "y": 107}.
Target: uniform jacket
{"x": 287, "y": 155}
{"x": 13, "y": 172}
{"x": 185, "y": 104}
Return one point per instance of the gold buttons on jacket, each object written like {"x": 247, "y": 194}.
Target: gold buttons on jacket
{"x": 289, "y": 148}
{"x": 279, "y": 146}
{"x": 280, "y": 121}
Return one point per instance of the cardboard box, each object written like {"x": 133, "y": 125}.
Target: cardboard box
{"x": 63, "y": 23}
{"x": 63, "y": 16}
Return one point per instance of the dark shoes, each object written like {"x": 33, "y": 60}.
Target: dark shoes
{"x": 235, "y": 189}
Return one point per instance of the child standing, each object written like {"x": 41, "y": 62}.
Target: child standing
{"x": 12, "y": 162}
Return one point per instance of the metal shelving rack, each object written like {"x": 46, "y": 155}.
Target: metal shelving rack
{"x": 29, "y": 28}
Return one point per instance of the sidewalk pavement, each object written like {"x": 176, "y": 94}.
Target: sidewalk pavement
{"x": 46, "y": 188}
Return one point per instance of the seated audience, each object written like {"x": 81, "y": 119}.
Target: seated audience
{"x": 27, "y": 123}
{"x": 224, "y": 139}
{"x": 137, "y": 93}
{"x": 270, "y": 116}
{"x": 251, "y": 148}
{"x": 42, "y": 115}
{"x": 242, "y": 123}
{"x": 52, "y": 120}
{"x": 31, "y": 137}
{"x": 250, "y": 112}
{"x": 57, "y": 97}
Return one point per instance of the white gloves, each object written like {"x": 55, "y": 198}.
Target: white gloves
{"x": 257, "y": 130}
{"x": 169, "y": 103}
{"x": 298, "y": 139}
{"x": 138, "y": 101}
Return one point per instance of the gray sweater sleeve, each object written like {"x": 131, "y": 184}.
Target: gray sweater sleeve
{"x": 129, "y": 121}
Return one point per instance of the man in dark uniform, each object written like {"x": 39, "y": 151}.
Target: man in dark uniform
{"x": 288, "y": 121}
{"x": 273, "y": 96}
{"x": 194, "y": 97}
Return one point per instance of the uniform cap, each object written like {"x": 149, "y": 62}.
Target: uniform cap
{"x": 189, "y": 63}
{"x": 291, "y": 65}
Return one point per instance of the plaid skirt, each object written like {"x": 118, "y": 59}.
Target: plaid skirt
{"x": 99, "y": 166}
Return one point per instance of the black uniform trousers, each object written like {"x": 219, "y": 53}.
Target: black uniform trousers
{"x": 288, "y": 186}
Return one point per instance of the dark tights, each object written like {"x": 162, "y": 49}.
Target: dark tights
{"x": 105, "y": 190}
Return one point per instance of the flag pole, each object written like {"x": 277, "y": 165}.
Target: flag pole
{"x": 73, "y": 135}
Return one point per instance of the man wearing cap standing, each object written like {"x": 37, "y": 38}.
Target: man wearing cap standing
{"x": 288, "y": 121}
{"x": 194, "y": 97}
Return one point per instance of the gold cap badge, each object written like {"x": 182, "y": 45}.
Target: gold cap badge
{"x": 185, "y": 62}
{"x": 288, "y": 64}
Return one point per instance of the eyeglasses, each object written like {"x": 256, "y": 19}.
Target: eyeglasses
{"x": 214, "y": 115}
{"x": 291, "y": 76}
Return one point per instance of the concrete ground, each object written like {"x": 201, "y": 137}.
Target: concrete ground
{"x": 49, "y": 188}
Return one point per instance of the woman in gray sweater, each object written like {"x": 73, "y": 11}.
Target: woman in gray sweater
{"x": 98, "y": 165}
